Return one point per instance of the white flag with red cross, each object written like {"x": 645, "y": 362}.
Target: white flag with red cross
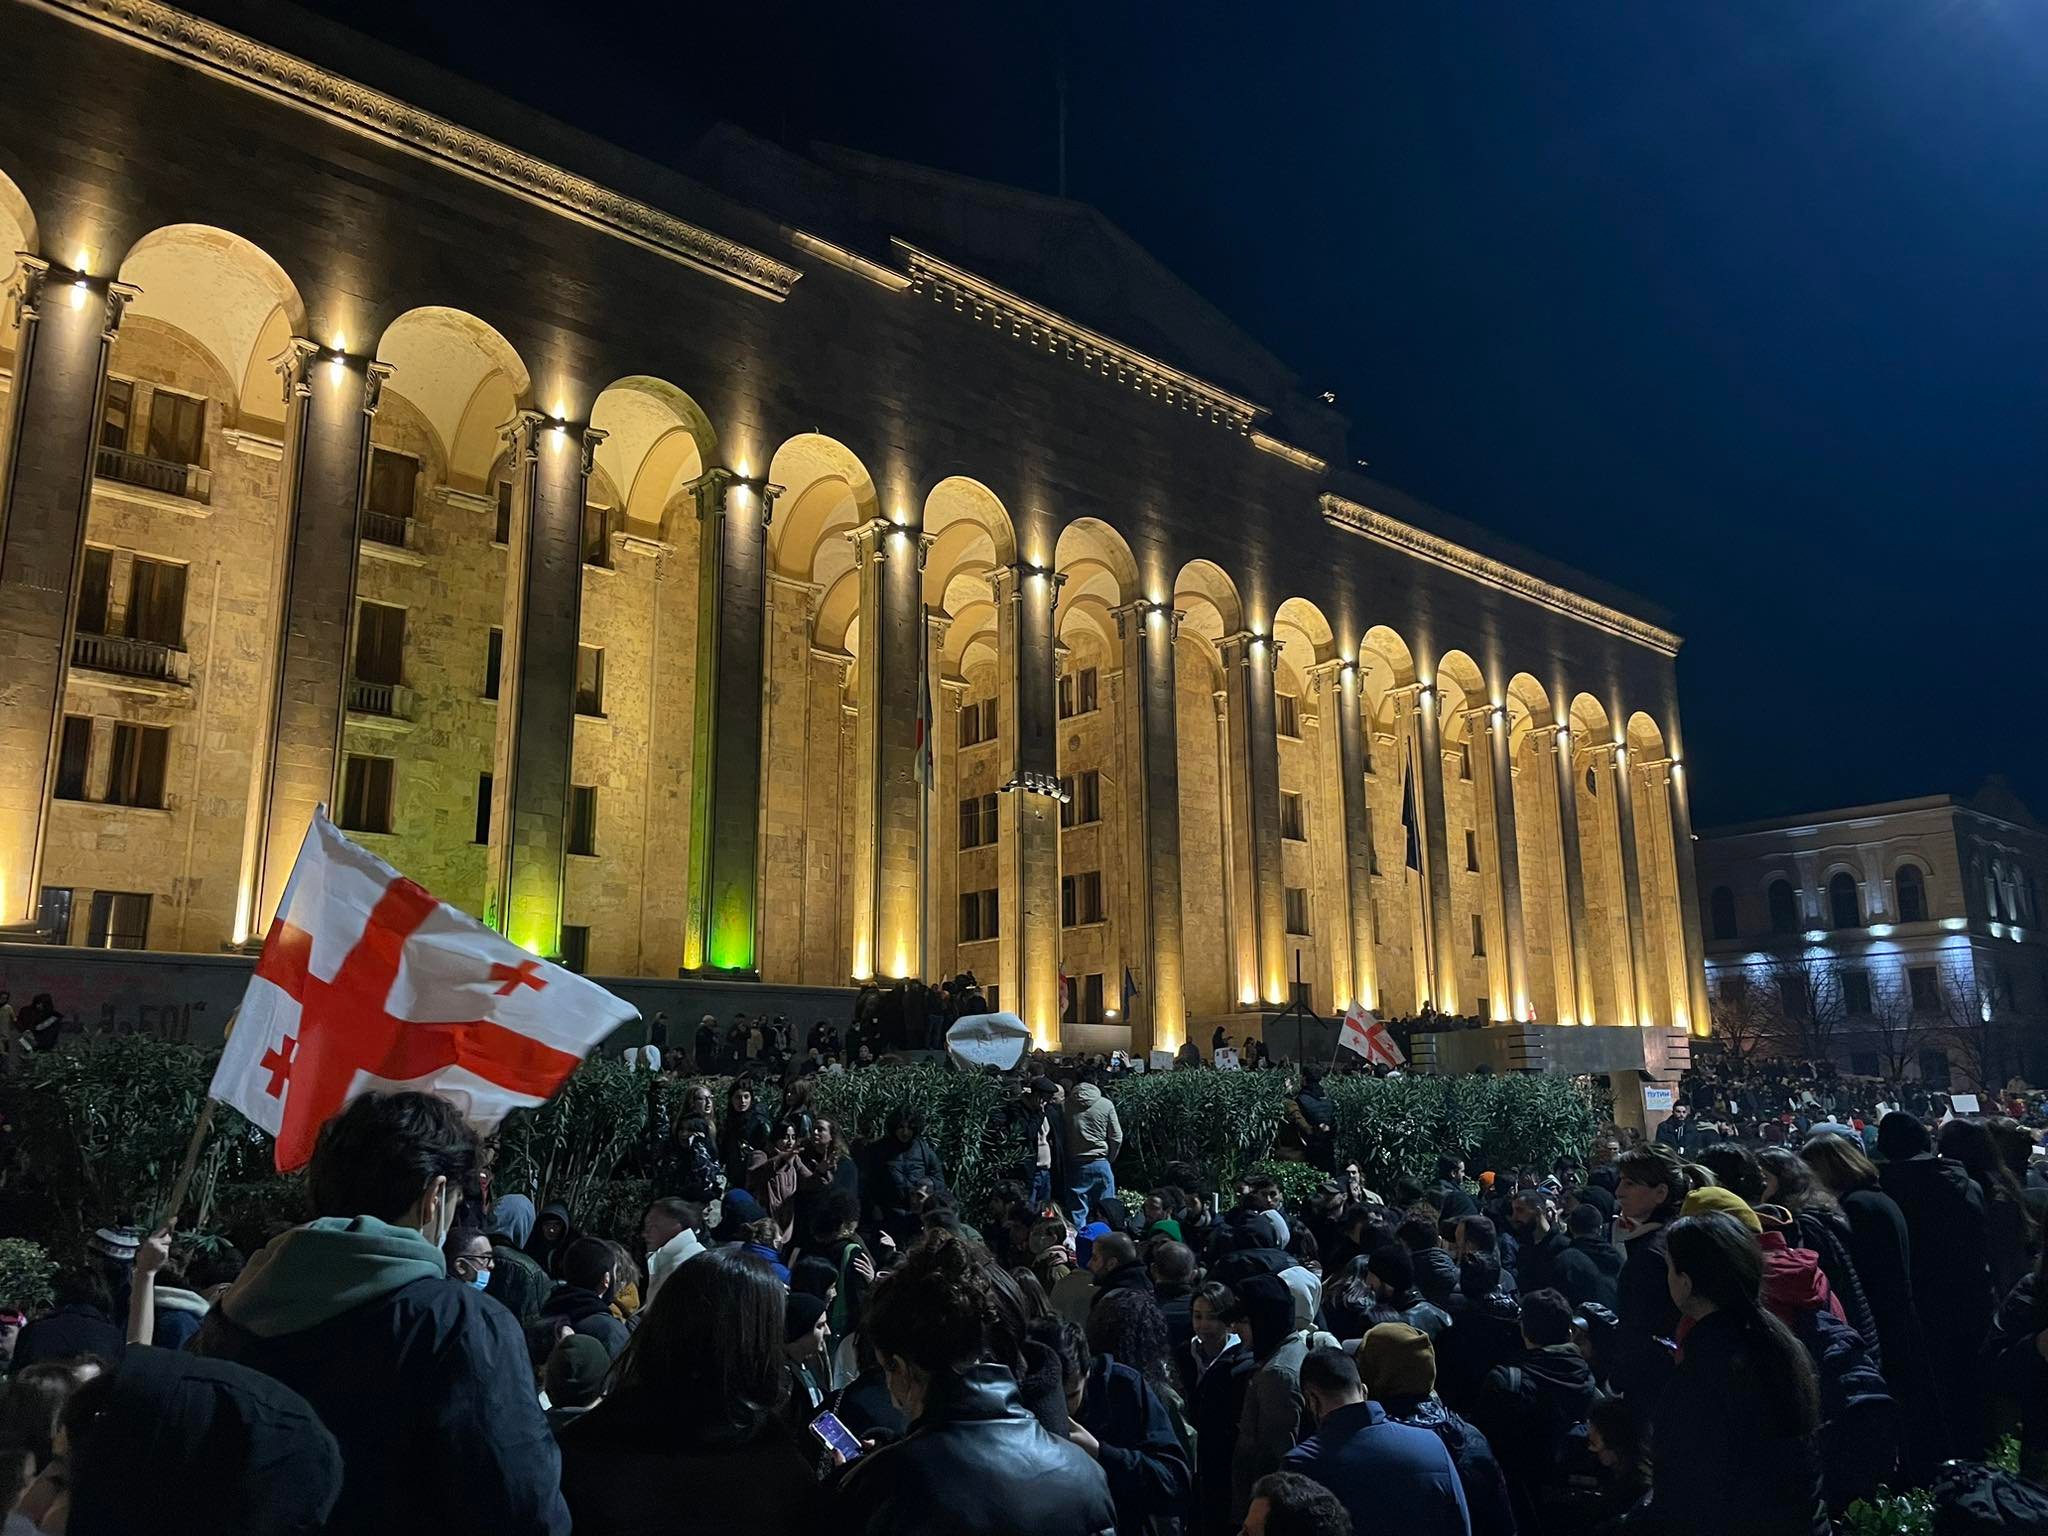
{"x": 367, "y": 983}
{"x": 1368, "y": 1036}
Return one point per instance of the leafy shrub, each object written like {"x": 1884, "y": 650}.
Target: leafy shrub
{"x": 1891, "y": 1514}
{"x": 1296, "y": 1180}
{"x": 25, "y": 1274}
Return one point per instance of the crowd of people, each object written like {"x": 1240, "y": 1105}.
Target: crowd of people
{"x": 805, "y": 1335}
{"x": 1778, "y": 1101}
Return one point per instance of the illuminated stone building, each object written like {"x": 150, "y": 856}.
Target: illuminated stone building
{"x": 588, "y": 534}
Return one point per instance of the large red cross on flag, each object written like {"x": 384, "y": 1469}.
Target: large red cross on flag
{"x": 367, "y": 983}
{"x": 1368, "y": 1037}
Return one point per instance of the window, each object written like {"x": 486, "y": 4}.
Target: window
{"x": 53, "y": 912}
{"x": 1465, "y": 761}
{"x": 1084, "y": 1000}
{"x": 1912, "y": 894}
{"x": 388, "y": 501}
{"x": 119, "y": 920}
{"x": 1924, "y": 989}
{"x": 1291, "y": 825}
{"x": 1734, "y": 989}
{"x": 95, "y": 588}
{"x": 1084, "y": 798}
{"x": 483, "y": 808}
{"x": 977, "y": 723}
{"x": 135, "y": 775}
{"x": 1844, "y": 905}
{"x": 1471, "y": 849}
{"x": 1721, "y": 912}
{"x": 380, "y": 642}
{"x": 575, "y": 948}
{"x": 1856, "y": 992}
{"x": 1478, "y": 935}
{"x": 977, "y": 821}
{"x": 597, "y": 536}
{"x": 979, "y": 916}
{"x": 119, "y": 415}
{"x": 583, "y": 818}
{"x": 590, "y": 680}
{"x": 1784, "y": 907}
{"x": 177, "y": 427}
{"x": 156, "y": 602}
{"x": 1078, "y": 692}
{"x": 1865, "y": 1064}
{"x": 1287, "y": 715}
{"x": 1794, "y": 1000}
{"x": 502, "y": 532}
{"x": 1296, "y": 897}
{"x": 366, "y": 794}
{"x": 1081, "y": 898}
{"x": 494, "y": 661}
{"x": 74, "y": 754}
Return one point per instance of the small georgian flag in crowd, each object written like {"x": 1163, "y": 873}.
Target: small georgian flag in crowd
{"x": 367, "y": 983}
{"x": 1367, "y": 1036}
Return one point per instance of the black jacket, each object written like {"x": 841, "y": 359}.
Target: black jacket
{"x": 1951, "y": 1277}
{"x": 1409, "y": 1308}
{"x": 975, "y": 1461}
{"x": 635, "y": 1465}
{"x": 1214, "y": 1408}
{"x": 432, "y": 1369}
{"x": 1589, "y": 1269}
{"x": 1148, "y": 1471}
{"x": 589, "y": 1314}
{"x": 2016, "y": 1371}
{"x": 1527, "y": 1406}
{"x": 1125, "y": 1277}
{"x": 893, "y": 1170}
{"x": 1641, "y": 1359}
{"x": 1486, "y": 1489}
{"x": 1485, "y": 1331}
{"x": 1722, "y": 1463}
{"x": 1826, "y": 1234}
{"x": 68, "y": 1333}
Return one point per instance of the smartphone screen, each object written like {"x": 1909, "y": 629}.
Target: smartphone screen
{"x": 837, "y": 1436}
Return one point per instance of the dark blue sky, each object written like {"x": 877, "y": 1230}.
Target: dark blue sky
{"x": 1743, "y": 306}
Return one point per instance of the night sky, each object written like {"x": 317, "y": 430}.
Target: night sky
{"x": 1742, "y": 306}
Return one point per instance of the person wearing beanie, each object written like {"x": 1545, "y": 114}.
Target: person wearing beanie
{"x": 1074, "y": 1292}
{"x": 1398, "y": 1366}
{"x": 1271, "y": 1415}
{"x": 1390, "y": 1476}
{"x": 1390, "y": 1274}
{"x": 574, "y": 1378}
{"x": 806, "y": 1338}
{"x": 1713, "y": 1198}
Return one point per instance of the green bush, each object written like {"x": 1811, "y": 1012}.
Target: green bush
{"x": 25, "y": 1274}
{"x": 1223, "y": 1122}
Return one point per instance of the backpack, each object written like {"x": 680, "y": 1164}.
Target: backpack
{"x": 1971, "y": 1499}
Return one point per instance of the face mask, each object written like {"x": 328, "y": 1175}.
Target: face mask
{"x": 482, "y": 1280}
{"x": 443, "y": 1222}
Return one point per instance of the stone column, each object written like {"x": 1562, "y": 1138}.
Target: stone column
{"x": 1249, "y": 664}
{"x": 551, "y": 464}
{"x": 886, "y": 877}
{"x": 1508, "y": 862}
{"x": 719, "y": 932}
{"x": 938, "y": 833}
{"x": 67, "y": 325}
{"x": 1576, "y": 953}
{"x": 1148, "y": 631}
{"x": 330, "y": 400}
{"x": 1436, "y": 849}
{"x": 1338, "y": 685}
{"x": 1621, "y": 775}
{"x": 1029, "y": 854}
{"x": 1688, "y": 902}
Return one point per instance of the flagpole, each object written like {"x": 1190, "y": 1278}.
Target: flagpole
{"x": 183, "y": 1182}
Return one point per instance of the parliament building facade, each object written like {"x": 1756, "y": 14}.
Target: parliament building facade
{"x": 603, "y": 542}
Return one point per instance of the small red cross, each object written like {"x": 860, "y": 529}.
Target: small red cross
{"x": 346, "y": 1025}
{"x": 279, "y": 1065}
{"x": 525, "y": 974}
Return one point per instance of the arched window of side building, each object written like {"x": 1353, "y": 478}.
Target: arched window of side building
{"x": 1912, "y": 888}
{"x": 1784, "y": 906}
{"x": 1721, "y": 909}
{"x": 1844, "y": 907}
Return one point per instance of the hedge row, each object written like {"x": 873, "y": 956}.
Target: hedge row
{"x": 95, "y": 1135}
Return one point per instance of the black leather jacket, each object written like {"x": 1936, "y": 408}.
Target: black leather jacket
{"x": 975, "y": 1463}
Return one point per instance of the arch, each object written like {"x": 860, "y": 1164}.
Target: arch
{"x": 968, "y": 527}
{"x": 1208, "y": 600}
{"x": 1529, "y": 707}
{"x": 1910, "y": 884}
{"x": 657, "y": 441}
{"x": 827, "y": 492}
{"x": 1781, "y": 900}
{"x": 1300, "y": 624}
{"x": 1845, "y": 901}
{"x": 1721, "y": 912}
{"x": 464, "y": 378}
{"x": 228, "y": 295}
{"x": 1385, "y": 663}
{"x": 1101, "y": 576}
{"x": 17, "y": 228}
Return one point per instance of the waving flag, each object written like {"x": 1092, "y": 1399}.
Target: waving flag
{"x": 367, "y": 983}
{"x": 1367, "y": 1036}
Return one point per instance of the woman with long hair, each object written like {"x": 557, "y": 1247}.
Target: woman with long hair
{"x": 2017, "y": 1364}
{"x": 2009, "y": 1232}
{"x": 1735, "y": 1429}
{"x": 691, "y": 1437}
{"x": 743, "y": 1133}
{"x": 1819, "y": 1225}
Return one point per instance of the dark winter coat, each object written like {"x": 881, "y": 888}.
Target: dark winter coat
{"x": 635, "y": 1465}
{"x": 1125, "y": 1277}
{"x": 1945, "y": 1222}
{"x": 2015, "y": 1370}
{"x": 894, "y": 1170}
{"x": 1485, "y": 1331}
{"x": 1859, "y": 1433}
{"x": 1589, "y": 1269}
{"x": 1436, "y": 1276}
{"x": 1391, "y": 1476}
{"x": 1882, "y": 1253}
{"x": 66, "y": 1334}
{"x": 1214, "y": 1407}
{"x": 1527, "y": 1407}
{"x": 1826, "y": 1233}
{"x": 975, "y": 1460}
{"x": 1641, "y": 1357}
{"x": 1409, "y": 1308}
{"x": 1149, "y": 1476}
{"x": 1486, "y": 1488}
{"x": 589, "y": 1314}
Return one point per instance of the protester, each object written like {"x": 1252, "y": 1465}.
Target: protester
{"x": 81, "y": 1324}
{"x": 1046, "y": 1130}
{"x": 1272, "y": 1401}
{"x": 1288, "y": 1504}
{"x": 1650, "y": 1193}
{"x": 692, "y": 1441}
{"x": 583, "y": 1300}
{"x": 518, "y": 1283}
{"x": 902, "y": 1174}
{"x": 2010, "y": 1235}
{"x": 470, "y": 1258}
{"x": 574, "y": 1379}
{"x": 1390, "y": 1275}
{"x": 1398, "y": 1367}
{"x": 1387, "y": 1475}
{"x": 1819, "y": 1225}
{"x": 669, "y": 1231}
{"x": 550, "y": 1239}
{"x": 1121, "y": 1420}
{"x": 779, "y": 1175}
{"x": 1485, "y": 1331}
{"x": 743, "y": 1133}
{"x": 975, "y": 1459}
{"x": 1735, "y": 1425}
{"x": 354, "y": 1312}
{"x": 1528, "y": 1407}
{"x": 1313, "y": 1116}
{"x": 1095, "y": 1137}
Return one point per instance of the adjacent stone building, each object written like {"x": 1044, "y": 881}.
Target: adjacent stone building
{"x": 803, "y": 567}
{"x": 1900, "y": 940}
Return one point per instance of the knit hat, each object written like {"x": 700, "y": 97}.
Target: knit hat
{"x": 576, "y": 1370}
{"x": 801, "y": 1315}
{"x": 1085, "y": 1240}
{"x": 116, "y": 1243}
{"x": 742, "y": 1208}
{"x": 1397, "y": 1361}
{"x": 1713, "y": 1198}
{"x": 1167, "y": 1225}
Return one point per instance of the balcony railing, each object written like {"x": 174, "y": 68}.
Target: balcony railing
{"x": 392, "y": 701}
{"x": 149, "y": 474}
{"x": 131, "y": 658}
{"x": 387, "y": 528}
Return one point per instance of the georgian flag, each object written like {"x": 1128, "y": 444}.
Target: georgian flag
{"x": 1367, "y": 1036}
{"x": 367, "y": 983}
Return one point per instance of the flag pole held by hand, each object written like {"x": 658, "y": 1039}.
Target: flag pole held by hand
{"x": 169, "y": 1215}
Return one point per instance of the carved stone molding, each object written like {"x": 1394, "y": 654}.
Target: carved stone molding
{"x": 309, "y": 88}
{"x": 1410, "y": 540}
{"x": 1266, "y": 443}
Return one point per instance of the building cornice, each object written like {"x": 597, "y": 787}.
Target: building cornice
{"x": 1301, "y": 457}
{"x": 1353, "y": 517}
{"x": 284, "y": 77}
{"x": 1054, "y": 332}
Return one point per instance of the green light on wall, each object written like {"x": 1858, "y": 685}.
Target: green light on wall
{"x": 732, "y": 937}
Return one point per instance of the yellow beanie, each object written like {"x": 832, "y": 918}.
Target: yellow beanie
{"x": 1727, "y": 1202}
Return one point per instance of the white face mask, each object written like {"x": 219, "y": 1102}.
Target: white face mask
{"x": 438, "y": 1227}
